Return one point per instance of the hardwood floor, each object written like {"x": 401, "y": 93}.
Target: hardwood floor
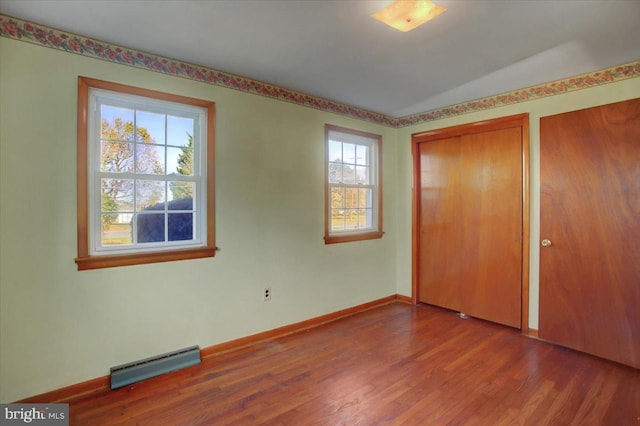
{"x": 396, "y": 364}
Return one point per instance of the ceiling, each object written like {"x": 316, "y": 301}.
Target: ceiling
{"x": 335, "y": 50}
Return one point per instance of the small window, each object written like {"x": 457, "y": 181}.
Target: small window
{"x": 145, "y": 176}
{"x": 353, "y": 189}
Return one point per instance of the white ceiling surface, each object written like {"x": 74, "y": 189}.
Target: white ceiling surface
{"x": 334, "y": 49}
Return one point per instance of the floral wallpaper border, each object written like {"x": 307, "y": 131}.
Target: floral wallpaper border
{"x": 44, "y": 36}
{"x": 571, "y": 84}
{"x": 17, "y": 29}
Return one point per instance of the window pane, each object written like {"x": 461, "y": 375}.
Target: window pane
{"x": 337, "y": 198}
{"x": 365, "y": 218}
{"x": 365, "y": 198}
{"x": 338, "y": 219}
{"x": 116, "y": 157}
{"x": 149, "y": 159}
{"x": 116, "y": 195}
{"x": 351, "y": 198}
{"x": 351, "y": 218}
{"x": 180, "y": 226}
{"x": 181, "y": 195}
{"x": 116, "y": 123}
{"x": 116, "y": 229}
{"x": 180, "y": 131}
{"x": 362, "y": 155}
{"x": 348, "y": 174}
{"x": 180, "y": 161}
{"x": 149, "y": 127}
{"x": 349, "y": 153}
{"x": 150, "y": 228}
{"x": 149, "y": 195}
{"x": 362, "y": 175}
{"x": 335, "y": 172}
{"x": 335, "y": 151}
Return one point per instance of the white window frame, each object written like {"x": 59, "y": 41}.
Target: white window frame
{"x": 98, "y": 97}
{"x": 374, "y": 144}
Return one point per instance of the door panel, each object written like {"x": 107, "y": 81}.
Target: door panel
{"x": 590, "y": 211}
{"x": 441, "y": 244}
{"x": 470, "y": 256}
{"x": 491, "y": 224}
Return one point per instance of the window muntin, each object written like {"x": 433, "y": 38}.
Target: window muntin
{"x": 145, "y": 188}
{"x": 353, "y": 197}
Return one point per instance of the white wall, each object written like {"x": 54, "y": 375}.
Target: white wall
{"x": 59, "y": 326}
{"x": 614, "y": 92}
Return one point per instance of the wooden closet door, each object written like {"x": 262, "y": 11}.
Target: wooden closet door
{"x": 470, "y": 241}
{"x": 441, "y": 237}
{"x": 491, "y": 223}
{"x": 590, "y": 213}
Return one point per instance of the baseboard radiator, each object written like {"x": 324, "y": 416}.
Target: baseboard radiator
{"x": 133, "y": 372}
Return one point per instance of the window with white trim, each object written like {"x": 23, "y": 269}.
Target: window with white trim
{"x": 147, "y": 176}
{"x": 353, "y": 196}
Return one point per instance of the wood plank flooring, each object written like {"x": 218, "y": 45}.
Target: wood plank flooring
{"x": 396, "y": 364}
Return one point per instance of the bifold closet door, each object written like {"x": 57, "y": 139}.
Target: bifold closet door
{"x": 441, "y": 240}
{"x": 470, "y": 256}
{"x": 590, "y": 231}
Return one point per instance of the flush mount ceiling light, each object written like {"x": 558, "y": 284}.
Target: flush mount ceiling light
{"x": 405, "y": 15}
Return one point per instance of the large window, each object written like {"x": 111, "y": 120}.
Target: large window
{"x": 353, "y": 195}
{"x": 145, "y": 176}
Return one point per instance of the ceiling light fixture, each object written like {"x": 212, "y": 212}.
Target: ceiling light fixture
{"x": 405, "y": 15}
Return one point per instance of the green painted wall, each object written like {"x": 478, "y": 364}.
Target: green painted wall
{"x": 60, "y": 326}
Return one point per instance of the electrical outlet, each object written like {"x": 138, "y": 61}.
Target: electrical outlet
{"x": 267, "y": 294}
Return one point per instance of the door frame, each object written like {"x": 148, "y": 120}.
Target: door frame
{"x": 519, "y": 120}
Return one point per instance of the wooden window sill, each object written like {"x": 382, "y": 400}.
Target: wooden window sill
{"x": 110, "y": 261}
{"x": 333, "y": 239}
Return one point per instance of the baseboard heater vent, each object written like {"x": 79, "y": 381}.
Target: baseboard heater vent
{"x": 125, "y": 374}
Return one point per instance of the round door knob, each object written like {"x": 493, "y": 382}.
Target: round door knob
{"x": 546, "y": 243}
